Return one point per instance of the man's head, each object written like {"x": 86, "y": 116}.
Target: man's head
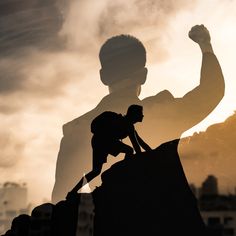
{"x": 123, "y": 60}
{"x": 135, "y": 113}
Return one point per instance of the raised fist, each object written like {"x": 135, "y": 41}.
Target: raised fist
{"x": 200, "y": 34}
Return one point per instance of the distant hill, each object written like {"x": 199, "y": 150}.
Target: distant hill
{"x": 212, "y": 152}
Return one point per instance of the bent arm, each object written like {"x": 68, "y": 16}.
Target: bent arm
{"x": 201, "y": 101}
{"x": 134, "y": 141}
{"x": 144, "y": 145}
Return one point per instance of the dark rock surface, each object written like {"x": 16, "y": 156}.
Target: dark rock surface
{"x": 147, "y": 195}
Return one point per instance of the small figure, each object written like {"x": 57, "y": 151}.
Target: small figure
{"x": 109, "y": 129}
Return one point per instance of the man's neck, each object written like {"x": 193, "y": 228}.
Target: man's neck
{"x": 133, "y": 91}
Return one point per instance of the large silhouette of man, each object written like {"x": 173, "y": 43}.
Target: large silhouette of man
{"x": 123, "y": 70}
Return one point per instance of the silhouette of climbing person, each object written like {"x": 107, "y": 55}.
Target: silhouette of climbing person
{"x": 123, "y": 70}
{"x": 107, "y": 139}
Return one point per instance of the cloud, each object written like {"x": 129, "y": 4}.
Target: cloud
{"x": 39, "y": 40}
{"x": 30, "y": 80}
{"x": 97, "y": 21}
{"x": 12, "y": 148}
{"x": 25, "y": 23}
{"x": 28, "y": 34}
{"x": 11, "y": 78}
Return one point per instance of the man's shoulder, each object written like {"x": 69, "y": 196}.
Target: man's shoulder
{"x": 80, "y": 122}
{"x": 162, "y": 97}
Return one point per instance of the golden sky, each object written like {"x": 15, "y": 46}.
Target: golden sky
{"x": 49, "y": 69}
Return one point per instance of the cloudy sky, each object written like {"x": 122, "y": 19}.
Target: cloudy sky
{"x": 49, "y": 68}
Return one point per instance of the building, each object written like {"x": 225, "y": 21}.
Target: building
{"x": 13, "y": 202}
{"x": 222, "y": 223}
{"x": 218, "y": 211}
{"x": 209, "y": 186}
